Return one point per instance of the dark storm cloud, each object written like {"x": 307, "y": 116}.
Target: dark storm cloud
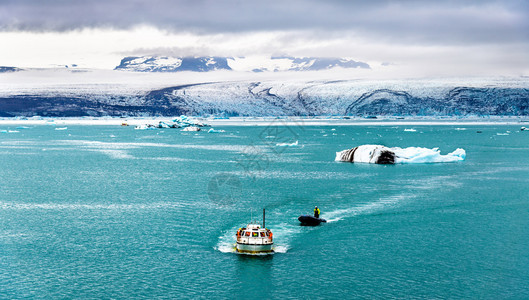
{"x": 447, "y": 21}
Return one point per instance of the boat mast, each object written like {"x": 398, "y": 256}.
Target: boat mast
{"x": 264, "y": 218}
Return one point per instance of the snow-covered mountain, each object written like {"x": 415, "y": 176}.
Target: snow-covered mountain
{"x": 254, "y": 64}
{"x": 173, "y": 64}
{"x": 289, "y": 63}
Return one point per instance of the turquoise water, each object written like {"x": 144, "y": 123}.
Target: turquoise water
{"x": 112, "y": 212}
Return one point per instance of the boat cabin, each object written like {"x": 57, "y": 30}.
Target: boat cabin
{"x": 254, "y": 234}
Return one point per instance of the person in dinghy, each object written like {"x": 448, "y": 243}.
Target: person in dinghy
{"x": 315, "y": 220}
{"x": 316, "y": 212}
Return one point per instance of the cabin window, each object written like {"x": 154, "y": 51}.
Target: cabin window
{"x": 247, "y": 233}
{"x": 255, "y": 234}
{"x": 262, "y": 234}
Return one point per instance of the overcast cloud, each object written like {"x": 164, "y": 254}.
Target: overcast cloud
{"x": 327, "y": 28}
{"x": 415, "y": 21}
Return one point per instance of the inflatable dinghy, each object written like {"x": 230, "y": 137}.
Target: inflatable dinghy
{"x": 310, "y": 220}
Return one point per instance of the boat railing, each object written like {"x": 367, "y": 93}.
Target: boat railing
{"x": 255, "y": 240}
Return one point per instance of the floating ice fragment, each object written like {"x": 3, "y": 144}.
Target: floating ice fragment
{"x": 145, "y": 127}
{"x": 191, "y": 128}
{"x": 211, "y": 130}
{"x": 410, "y": 130}
{"x": 162, "y": 124}
{"x": 294, "y": 144}
{"x": 378, "y": 154}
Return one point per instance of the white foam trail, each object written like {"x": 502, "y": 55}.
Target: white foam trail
{"x": 116, "y": 154}
{"x": 127, "y": 146}
{"x": 363, "y": 209}
{"x": 294, "y": 144}
{"x": 118, "y": 150}
{"x": 175, "y": 159}
{"x": 281, "y": 249}
{"x": 226, "y": 243}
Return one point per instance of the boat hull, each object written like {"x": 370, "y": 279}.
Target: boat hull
{"x": 253, "y": 248}
{"x": 310, "y": 220}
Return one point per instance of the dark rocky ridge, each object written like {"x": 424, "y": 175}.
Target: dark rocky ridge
{"x": 4, "y": 69}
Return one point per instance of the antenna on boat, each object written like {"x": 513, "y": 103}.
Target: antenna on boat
{"x": 264, "y": 218}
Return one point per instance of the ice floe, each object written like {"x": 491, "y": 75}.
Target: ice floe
{"x": 191, "y": 128}
{"x": 378, "y": 154}
{"x": 294, "y": 144}
{"x": 211, "y": 130}
{"x": 178, "y": 122}
{"x": 145, "y": 127}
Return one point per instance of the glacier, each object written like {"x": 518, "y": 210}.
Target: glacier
{"x": 219, "y": 94}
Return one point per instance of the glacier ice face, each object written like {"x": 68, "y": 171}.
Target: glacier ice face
{"x": 350, "y": 98}
{"x": 159, "y": 96}
{"x": 378, "y": 154}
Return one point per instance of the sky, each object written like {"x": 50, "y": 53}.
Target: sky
{"x": 443, "y": 38}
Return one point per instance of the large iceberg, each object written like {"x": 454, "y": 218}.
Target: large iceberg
{"x": 378, "y": 154}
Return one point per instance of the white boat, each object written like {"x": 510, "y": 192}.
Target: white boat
{"x": 254, "y": 239}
